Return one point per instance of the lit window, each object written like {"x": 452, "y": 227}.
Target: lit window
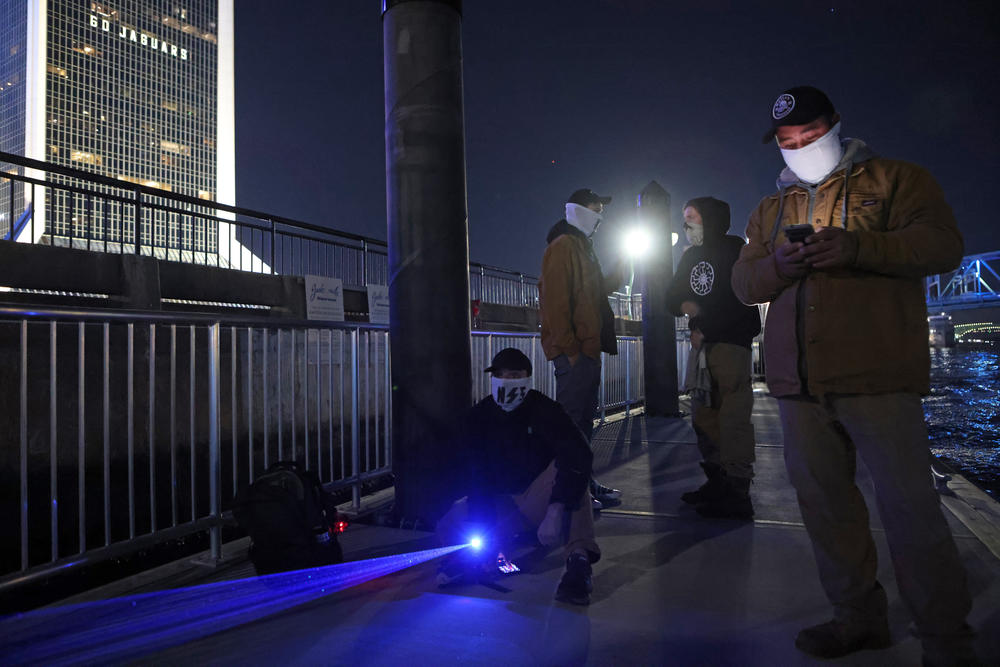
{"x": 87, "y": 158}
{"x": 174, "y": 147}
{"x": 58, "y": 71}
{"x": 86, "y": 49}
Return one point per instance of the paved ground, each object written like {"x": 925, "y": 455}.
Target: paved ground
{"x": 672, "y": 589}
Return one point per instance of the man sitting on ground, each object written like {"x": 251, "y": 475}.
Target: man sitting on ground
{"x": 525, "y": 466}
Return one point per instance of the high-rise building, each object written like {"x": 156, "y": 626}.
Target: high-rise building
{"x": 136, "y": 90}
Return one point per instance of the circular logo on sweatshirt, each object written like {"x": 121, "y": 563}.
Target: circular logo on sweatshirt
{"x": 702, "y": 277}
{"x": 783, "y": 106}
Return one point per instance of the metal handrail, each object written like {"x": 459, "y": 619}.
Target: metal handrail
{"x": 516, "y": 288}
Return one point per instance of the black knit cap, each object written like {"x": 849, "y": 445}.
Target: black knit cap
{"x": 509, "y": 359}
{"x": 800, "y": 105}
{"x": 586, "y": 197}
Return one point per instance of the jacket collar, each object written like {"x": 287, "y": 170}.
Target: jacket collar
{"x": 563, "y": 227}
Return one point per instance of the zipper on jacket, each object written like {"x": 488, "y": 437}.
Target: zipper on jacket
{"x": 800, "y": 309}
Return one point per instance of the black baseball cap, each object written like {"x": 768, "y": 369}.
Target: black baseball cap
{"x": 509, "y": 359}
{"x": 586, "y": 197}
{"x": 798, "y": 106}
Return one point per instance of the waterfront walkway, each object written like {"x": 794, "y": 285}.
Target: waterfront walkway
{"x": 671, "y": 589}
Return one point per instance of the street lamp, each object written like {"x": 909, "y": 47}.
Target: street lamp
{"x": 636, "y": 244}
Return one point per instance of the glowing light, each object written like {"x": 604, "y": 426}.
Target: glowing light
{"x": 476, "y": 543}
{"x": 637, "y": 242}
{"x": 128, "y": 627}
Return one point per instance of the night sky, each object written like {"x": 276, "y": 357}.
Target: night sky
{"x": 610, "y": 94}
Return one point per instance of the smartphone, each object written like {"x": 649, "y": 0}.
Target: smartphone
{"x": 798, "y": 233}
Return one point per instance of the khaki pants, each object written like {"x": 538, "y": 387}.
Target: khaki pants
{"x": 525, "y": 511}
{"x": 822, "y": 439}
{"x": 725, "y": 433}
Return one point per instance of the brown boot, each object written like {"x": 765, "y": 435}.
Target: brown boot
{"x": 734, "y": 503}
{"x": 834, "y": 639}
{"x": 713, "y": 488}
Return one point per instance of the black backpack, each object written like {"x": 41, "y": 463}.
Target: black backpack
{"x": 291, "y": 519}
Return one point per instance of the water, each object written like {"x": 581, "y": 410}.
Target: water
{"x": 963, "y": 411}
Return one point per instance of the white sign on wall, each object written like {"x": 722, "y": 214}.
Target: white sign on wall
{"x": 378, "y": 304}
{"x": 324, "y": 298}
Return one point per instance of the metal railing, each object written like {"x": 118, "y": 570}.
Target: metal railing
{"x": 128, "y": 430}
{"x": 78, "y": 209}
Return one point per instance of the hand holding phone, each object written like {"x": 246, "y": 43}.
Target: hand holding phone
{"x": 798, "y": 233}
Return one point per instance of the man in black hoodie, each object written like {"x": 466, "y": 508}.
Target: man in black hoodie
{"x": 525, "y": 465}
{"x": 722, "y": 331}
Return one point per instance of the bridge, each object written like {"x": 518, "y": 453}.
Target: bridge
{"x": 970, "y": 295}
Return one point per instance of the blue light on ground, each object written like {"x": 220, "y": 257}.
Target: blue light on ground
{"x": 108, "y": 630}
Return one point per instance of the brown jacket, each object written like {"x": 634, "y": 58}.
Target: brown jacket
{"x": 861, "y": 329}
{"x": 572, "y": 297}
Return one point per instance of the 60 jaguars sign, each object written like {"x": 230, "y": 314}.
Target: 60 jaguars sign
{"x": 140, "y": 38}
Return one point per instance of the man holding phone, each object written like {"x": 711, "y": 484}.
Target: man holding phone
{"x": 847, "y": 358}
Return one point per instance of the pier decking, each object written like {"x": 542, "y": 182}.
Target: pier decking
{"x": 671, "y": 589}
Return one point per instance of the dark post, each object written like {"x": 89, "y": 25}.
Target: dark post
{"x": 659, "y": 333}
{"x": 428, "y": 247}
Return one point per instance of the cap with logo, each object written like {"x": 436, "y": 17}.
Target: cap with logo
{"x": 586, "y": 197}
{"x": 800, "y": 105}
{"x": 509, "y": 359}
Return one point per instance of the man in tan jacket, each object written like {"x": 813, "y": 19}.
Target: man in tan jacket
{"x": 577, "y": 322}
{"x": 847, "y": 357}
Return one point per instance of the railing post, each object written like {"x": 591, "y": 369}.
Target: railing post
{"x": 214, "y": 456}
{"x": 355, "y": 415}
{"x": 273, "y": 239}
{"x": 364, "y": 263}
{"x": 137, "y": 233}
{"x": 524, "y": 297}
{"x": 603, "y": 402}
{"x": 628, "y": 375}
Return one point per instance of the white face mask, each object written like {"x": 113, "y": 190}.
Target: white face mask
{"x": 695, "y": 234}
{"x": 583, "y": 218}
{"x": 813, "y": 163}
{"x": 509, "y": 393}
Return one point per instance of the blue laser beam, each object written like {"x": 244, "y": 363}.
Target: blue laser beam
{"x": 125, "y": 627}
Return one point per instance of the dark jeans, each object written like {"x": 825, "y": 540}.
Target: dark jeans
{"x": 577, "y": 388}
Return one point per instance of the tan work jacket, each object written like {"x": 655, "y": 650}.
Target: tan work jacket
{"x": 860, "y": 329}
{"x": 573, "y": 303}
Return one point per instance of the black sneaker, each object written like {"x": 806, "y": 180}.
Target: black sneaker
{"x": 604, "y": 493}
{"x": 576, "y": 583}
